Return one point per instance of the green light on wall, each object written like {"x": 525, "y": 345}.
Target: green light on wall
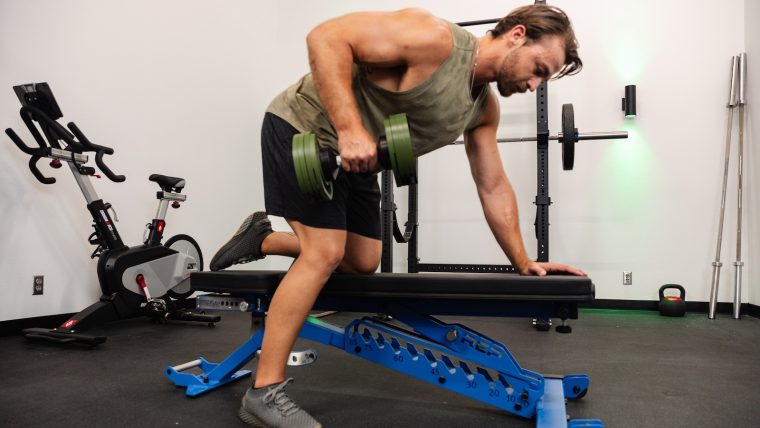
{"x": 628, "y": 61}
{"x": 628, "y": 174}
{"x": 627, "y": 48}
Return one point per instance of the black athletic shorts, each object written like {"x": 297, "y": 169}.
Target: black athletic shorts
{"x": 355, "y": 205}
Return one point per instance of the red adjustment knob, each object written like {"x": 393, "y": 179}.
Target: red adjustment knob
{"x": 55, "y": 163}
{"x": 175, "y": 204}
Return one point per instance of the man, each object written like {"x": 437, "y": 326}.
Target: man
{"x": 365, "y": 67}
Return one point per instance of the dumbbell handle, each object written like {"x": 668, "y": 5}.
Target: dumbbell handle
{"x": 334, "y": 162}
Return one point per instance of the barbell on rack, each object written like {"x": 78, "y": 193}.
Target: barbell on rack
{"x": 317, "y": 168}
{"x": 568, "y": 137}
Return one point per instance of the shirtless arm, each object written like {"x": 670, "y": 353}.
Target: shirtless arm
{"x": 497, "y": 196}
{"x": 411, "y": 41}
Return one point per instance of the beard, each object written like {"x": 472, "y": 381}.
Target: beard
{"x": 507, "y": 84}
{"x": 508, "y": 87}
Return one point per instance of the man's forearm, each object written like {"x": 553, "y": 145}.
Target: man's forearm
{"x": 500, "y": 209}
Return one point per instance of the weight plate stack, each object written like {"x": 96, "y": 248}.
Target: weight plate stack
{"x": 311, "y": 179}
{"x": 400, "y": 149}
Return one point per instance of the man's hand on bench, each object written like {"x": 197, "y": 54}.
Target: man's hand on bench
{"x": 543, "y": 268}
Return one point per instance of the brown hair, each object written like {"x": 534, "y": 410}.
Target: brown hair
{"x": 542, "y": 20}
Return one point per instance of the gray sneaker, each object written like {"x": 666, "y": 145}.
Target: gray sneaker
{"x": 271, "y": 407}
{"x": 245, "y": 245}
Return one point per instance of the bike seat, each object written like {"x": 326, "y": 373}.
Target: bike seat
{"x": 168, "y": 184}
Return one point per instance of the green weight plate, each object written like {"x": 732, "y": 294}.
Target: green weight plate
{"x": 404, "y": 153}
{"x": 568, "y": 137}
{"x": 299, "y": 163}
{"x": 302, "y": 154}
{"x": 323, "y": 189}
{"x": 308, "y": 170}
{"x": 297, "y": 151}
{"x": 400, "y": 149}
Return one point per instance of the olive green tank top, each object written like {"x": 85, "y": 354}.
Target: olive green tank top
{"x": 439, "y": 109}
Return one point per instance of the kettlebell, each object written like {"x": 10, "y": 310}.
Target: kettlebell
{"x": 672, "y": 306}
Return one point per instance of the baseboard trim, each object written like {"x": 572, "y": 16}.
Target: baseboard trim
{"x": 753, "y": 310}
{"x": 650, "y": 305}
{"x": 12, "y": 327}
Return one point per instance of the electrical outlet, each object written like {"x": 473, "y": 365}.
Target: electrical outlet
{"x": 627, "y": 277}
{"x": 39, "y": 281}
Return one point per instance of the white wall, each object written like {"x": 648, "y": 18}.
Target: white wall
{"x": 180, "y": 87}
{"x": 752, "y": 37}
{"x": 630, "y": 204}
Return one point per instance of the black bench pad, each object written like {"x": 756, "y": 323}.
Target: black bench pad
{"x": 422, "y": 286}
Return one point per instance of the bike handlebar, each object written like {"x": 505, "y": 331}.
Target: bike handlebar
{"x": 36, "y": 155}
{"x": 99, "y": 152}
{"x": 54, "y": 130}
{"x": 20, "y": 143}
{"x": 106, "y": 170}
{"x": 86, "y": 143}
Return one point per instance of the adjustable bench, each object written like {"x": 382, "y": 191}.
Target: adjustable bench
{"x": 450, "y": 356}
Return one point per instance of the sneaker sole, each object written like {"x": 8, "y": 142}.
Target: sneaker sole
{"x": 249, "y": 418}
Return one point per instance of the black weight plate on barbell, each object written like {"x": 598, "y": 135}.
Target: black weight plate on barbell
{"x": 568, "y": 137}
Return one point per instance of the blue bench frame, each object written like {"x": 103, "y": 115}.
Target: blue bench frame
{"x": 450, "y": 356}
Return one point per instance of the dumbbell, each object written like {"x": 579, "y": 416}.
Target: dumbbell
{"x": 316, "y": 169}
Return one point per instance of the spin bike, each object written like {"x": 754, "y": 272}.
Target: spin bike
{"x": 150, "y": 279}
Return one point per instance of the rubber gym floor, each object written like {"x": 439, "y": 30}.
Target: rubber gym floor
{"x": 646, "y": 371}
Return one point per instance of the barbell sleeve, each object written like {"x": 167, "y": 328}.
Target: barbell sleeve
{"x": 742, "y": 78}
{"x": 733, "y": 85}
{"x": 612, "y": 135}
